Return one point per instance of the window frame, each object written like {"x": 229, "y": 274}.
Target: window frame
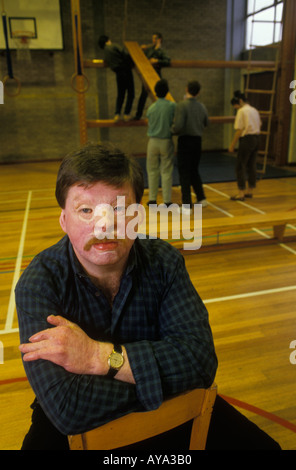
{"x": 251, "y": 13}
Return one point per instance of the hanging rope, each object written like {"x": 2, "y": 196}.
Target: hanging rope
{"x": 9, "y": 75}
{"x": 124, "y": 21}
{"x": 79, "y": 72}
{"x": 162, "y": 9}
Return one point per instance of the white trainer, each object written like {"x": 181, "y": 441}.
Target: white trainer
{"x": 184, "y": 210}
{"x": 203, "y": 202}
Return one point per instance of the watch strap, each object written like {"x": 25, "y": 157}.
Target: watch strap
{"x": 117, "y": 348}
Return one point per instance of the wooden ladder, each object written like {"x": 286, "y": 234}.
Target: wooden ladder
{"x": 267, "y": 114}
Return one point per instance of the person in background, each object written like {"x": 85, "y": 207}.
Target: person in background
{"x": 158, "y": 58}
{"x": 160, "y": 149}
{"x": 120, "y": 62}
{"x": 247, "y": 126}
{"x": 191, "y": 118}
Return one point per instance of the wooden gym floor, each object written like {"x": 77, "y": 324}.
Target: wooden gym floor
{"x": 250, "y": 294}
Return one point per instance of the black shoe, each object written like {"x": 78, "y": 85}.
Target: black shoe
{"x": 167, "y": 204}
{"x": 136, "y": 118}
{"x": 149, "y": 203}
{"x": 237, "y": 198}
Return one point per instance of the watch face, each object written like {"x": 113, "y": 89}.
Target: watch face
{"x": 115, "y": 360}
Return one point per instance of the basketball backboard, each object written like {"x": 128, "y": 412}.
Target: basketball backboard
{"x": 39, "y": 18}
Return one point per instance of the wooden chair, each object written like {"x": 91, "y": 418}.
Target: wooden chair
{"x": 194, "y": 405}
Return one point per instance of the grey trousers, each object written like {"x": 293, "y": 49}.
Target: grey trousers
{"x": 160, "y": 164}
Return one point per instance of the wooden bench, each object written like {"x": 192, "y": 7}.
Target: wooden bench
{"x": 275, "y": 220}
{"x": 144, "y": 68}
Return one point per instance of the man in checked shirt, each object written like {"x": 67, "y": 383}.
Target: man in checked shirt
{"x": 108, "y": 324}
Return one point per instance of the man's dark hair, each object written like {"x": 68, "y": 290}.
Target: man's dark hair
{"x": 161, "y": 88}
{"x": 238, "y": 95}
{"x": 159, "y": 35}
{"x": 94, "y": 163}
{"x": 193, "y": 87}
{"x": 102, "y": 41}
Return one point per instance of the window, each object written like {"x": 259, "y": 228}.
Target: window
{"x": 263, "y": 22}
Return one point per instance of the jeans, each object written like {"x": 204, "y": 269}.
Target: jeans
{"x": 125, "y": 84}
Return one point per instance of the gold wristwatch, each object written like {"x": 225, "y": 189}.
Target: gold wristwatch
{"x": 115, "y": 360}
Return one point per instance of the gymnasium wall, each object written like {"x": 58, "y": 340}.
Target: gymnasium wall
{"x": 42, "y": 121}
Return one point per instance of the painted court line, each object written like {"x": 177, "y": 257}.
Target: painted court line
{"x": 220, "y": 210}
{"x": 260, "y": 412}
{"x": 9, "y": 331}
{"x": 250, "y": 294}
{"x": 217, "y": 207}
{"x": 251, "y": 207}
{"x": 293, "y": 227}
{"x": 282, "y": 245}
{"x": 218, "y": 299}
{"x": 11, "y": 305}
{"x": 216, "y": 191}
{"x": 240, "y": 202}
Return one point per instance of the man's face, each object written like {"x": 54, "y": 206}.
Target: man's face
{"x": 155, "y": 40}
{"x": 90, "y": 218}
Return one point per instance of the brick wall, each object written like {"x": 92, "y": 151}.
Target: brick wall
{"x": 42, "y": 122}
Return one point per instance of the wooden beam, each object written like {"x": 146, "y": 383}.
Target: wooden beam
{"x": 145, "y": 69}
{"x": 222, "y": 64}
{"x": 200, "y": 64}
{"x": 94, "y": 64}
{"x": 91, "y": 123}
{"x": 222, "y": 119}
{"x": 143, "y": 122}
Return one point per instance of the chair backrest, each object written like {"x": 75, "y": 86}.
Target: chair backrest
{"x": 194, "y": 405}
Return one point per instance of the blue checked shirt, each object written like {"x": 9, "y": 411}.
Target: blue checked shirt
{"x": 157, "y": 315}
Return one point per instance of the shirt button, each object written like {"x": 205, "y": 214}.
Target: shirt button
{"x": 98, "y": 293}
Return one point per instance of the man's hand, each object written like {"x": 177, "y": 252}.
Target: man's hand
{"x": 153, "y": 60}
{"x": 68, "y": 346}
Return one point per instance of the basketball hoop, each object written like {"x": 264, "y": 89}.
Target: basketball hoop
{"x": 22, "y": 40}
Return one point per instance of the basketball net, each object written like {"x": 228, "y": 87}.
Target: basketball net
{"x": 22, "y": 40}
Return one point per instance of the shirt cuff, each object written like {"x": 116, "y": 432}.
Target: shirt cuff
{"x": 146, "y": 374}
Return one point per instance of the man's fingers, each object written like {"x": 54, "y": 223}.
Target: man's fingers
{"x": 29, "y": 347}
{"x": 58, "y": 320}
{"x": 31, "y": 351}
{"x": 40, "y": 350}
